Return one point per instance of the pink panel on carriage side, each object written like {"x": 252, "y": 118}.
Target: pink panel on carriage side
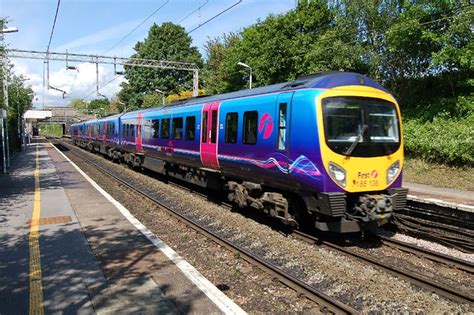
{"x": 104, "y": 130}
{"x": 138, "y": 137}
{"x": 208, "y": 147}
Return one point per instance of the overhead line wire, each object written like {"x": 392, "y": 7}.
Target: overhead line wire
{"x": 123, "y": 38}
{"x": 215, "y": 16}
{"x": 54, "y": 25}
{"x": 105, "y": 84}
{"x": 136, "y": 27}
{"x": 49, "y": 45}
{"x": 202, "y": 5}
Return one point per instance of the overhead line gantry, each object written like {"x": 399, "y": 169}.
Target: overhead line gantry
{"x": 97, "y": 59}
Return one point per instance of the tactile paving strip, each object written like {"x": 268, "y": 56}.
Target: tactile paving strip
{"x": 52, "y": 220}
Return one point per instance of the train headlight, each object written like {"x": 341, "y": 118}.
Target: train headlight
{"x": 337, "y": 173}
{"x": 393, "y": 171}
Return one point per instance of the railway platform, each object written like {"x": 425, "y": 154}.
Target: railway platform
{"x": 68, "y": 247}
{"x": 460, "y": 199}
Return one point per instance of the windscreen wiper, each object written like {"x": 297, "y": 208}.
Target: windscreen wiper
{"x": 356, "y": 141}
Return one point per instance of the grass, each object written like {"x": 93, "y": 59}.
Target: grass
{"x": 51, "y": 130}
{"x": 438, "y": 175}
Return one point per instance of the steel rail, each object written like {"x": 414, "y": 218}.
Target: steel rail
{"x": 417, "y": 279}
{"x": 327, "y": 303}
{"x": 420, "y": 227}
{"x": 429, "y": 254}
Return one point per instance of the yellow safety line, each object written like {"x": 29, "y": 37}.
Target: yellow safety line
{"x": 36, "y": 287}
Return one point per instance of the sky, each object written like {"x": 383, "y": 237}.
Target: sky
{"x": 100, "y": 27}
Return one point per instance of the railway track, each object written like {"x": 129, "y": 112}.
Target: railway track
{"x": 437, "y": 223}
{"x": 327, "y": 303}
{"x": 412, "y": 277}
{"x": 429, "y": 254}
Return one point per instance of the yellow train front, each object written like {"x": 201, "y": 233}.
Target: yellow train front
{"x": 361, "y": 155}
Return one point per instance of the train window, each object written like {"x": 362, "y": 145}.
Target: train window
{"x": 282, "y": 127}
{"x": 177, "y": 128}
{"x": 165, "y": 128}
{"x": 190, "y": 127}
{"x": 231, "y": 124}
{"x": 214, "y": 126}
{"x": 250, "y": 127}
{"x": 155, "y": 125}
{"x": 204, "y": 127}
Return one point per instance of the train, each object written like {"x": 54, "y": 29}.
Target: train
{"x": 324, "y": 150}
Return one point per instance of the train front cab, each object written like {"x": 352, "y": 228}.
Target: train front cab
{"x": 361, "y": 143}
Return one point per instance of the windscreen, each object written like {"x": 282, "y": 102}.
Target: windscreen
{"x": 362, "y": 127}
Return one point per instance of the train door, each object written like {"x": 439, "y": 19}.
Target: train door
{"x": 209, "y": 135}
{"x": 283, "y": 109}
{"x": 138, "y": 137}
{"x": 104, "y": 131}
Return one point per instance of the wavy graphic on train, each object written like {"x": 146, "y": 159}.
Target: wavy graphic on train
{"x": 302, "y": 165}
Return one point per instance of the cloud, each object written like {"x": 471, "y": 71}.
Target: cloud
{"x": 114, "y": 33}
{"x": 80, "y": 83}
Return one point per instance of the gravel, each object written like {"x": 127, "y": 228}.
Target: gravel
{"x": 353, "y": 282}
{"x": 430, "y": 245}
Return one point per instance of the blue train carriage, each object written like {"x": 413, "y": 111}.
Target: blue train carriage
{"x": 165, "y": 140}
{"x": 326, "y": 149}
{"x": 81, "y": 133}
{"x": 107, "y": 140}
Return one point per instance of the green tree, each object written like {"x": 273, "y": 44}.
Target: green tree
{"x": 152, "y": 100}
{"x": 20, "y": 97}
{"x": 167, "y": 41}
{"x": 214, "y": 76}
{"x": 79, "y": 104}
{"x": 275, "y": 48}
{"x": 418, "y": 49}
{"x": 99, "y": 107}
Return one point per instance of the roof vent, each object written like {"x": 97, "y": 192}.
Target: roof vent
{"x": 295, "y": 84}
{"x": 315, "y": 75}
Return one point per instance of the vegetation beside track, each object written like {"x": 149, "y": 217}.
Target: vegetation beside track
{"x": 420, "y": 171}
{"x": 51, "y": 130}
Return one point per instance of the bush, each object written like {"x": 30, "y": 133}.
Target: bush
{"x": 444, "y": 139}
{"x": 51, "y": 130}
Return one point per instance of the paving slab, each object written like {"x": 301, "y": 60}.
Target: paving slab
{"x": 92, "y": 259}
{"x": 128, "y": 258}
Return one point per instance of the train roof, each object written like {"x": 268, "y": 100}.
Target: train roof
{"x": 324, "y": 80}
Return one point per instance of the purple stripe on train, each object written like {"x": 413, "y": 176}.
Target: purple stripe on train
{"x": 302, "y": 165}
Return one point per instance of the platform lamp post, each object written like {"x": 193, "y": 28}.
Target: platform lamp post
{"x": 250, "y": 69}
{"x": 163, "y": 94}
{"x": 6, "y": 147}
{"x": 21, "y": 124}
